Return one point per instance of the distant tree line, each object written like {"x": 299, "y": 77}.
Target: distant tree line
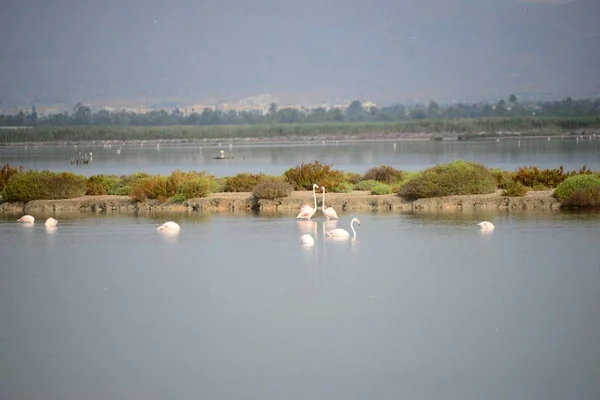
{"x": 82, "y": 115}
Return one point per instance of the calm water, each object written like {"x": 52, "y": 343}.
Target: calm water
{"x": 419, "y": 306}
{"x": 276, "y": 158}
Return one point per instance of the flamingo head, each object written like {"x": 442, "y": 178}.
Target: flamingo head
{"x": 315, "y": 186}
{"x": 357, "y": 221}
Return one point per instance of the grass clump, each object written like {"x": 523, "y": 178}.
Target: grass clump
{"x": 366, "y": 185}
{"x": 242, "y": 182}
{"x": 303, "y": 176}
{"x": 455, "y": 178}
{"x": 381, "y": 188}
{"x": 515, "y": 189}
{"x": 342, "y": 187}
{"x": 272, "y": 188}
{"x": 582, "y": 182}
{"x": 44, "y": 185}
{"x": 583, "y": 198}
{"x": 385, "y": 174}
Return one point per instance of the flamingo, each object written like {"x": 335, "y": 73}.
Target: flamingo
{"x": 342, "y": 233}
{"x": 329, "y": 212}
{"x": 169, "y": 226}
{"x": 307, "y": 240}
{"x": 51, "y": 223}
{"x": 486, "y": 226}
{"x": 307, "y": 211}
{"x": 28, "y": 219}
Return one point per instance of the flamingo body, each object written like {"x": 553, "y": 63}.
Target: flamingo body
{"x": 307, "y": 240}
{"x": 307, "y": 211}
{"x": 329, "y": 212}
{"x": 169, "y": 226}
{"x": 51, "y": 222}
{"x": 342, "y": 233}
{"x": 27, "y": 219}
{"x": 486, "y": 226}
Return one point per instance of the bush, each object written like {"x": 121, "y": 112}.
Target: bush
{"x": 502, "y": 178}
{"x": 458, "y": 177}
{"x": 303, "y": 176}
{"x": 127, "y": 183}
{"x": 515, "y": 189}
{"x": 272, "y": 188}
{"x": 547, "y": 178}
{"x": 242, "y": 182}
{"x": 583, "y": 198}
{"x": 574, "y": 183}
{"x": 385, "y": 174}
{"x": 381, "y": 188}
{"x": 191, "y": 185}
{"x": 183, "y": 184}
{"x": 44, "y": 185}
{"x": 366, "y": 185}
{"x": 353, "y": 177}
{"x": 342, "y": 187}
{"x": 6, "y": 172}
{"x": 102, "y": 184}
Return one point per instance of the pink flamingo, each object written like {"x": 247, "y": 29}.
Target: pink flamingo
{"x": 28, "y": 219}
{"x": 307, "y": 240}
{"x": 307, "y": 211}
{"x": 169, "y": 226}
{"x": 51, "y": 223}
{"x": 342, "y": 233}
{"x": 329, "y": 212}
{"x": 486, "y": 226}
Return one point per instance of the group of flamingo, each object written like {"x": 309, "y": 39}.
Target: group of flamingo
{"x": 306, "y": 212}
{"x": 28, "y": 219}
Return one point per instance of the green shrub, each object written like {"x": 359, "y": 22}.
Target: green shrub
{"x": 353, "y": 177}
{"x": 583, "y": 198}
{"x": 44, "y": 185}
{"x": 242, "y": 182}
{"x": 102, "y": 184}
{"x": 381, "y": 188}
{"x": 515, "y": 189}
{"x": 366, "y": 185}
{"x": 457, "y": 177}
{"x": 502, "y": 178}
{"x": 342, "y": 187}
{"x": 192, "y": 185}
{"x": 303, "y": 176}
{"x": 6, "y": 172}
{"x": 548, "y": 178}
{"x": 385, "y": 174}
{"x": 272, "y": 188}
{"x": 127, "y": 183}
{"x": 187, "y": 184}
{"x": 575, "y": 183}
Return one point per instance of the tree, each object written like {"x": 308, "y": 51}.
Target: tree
{"x": 82, "y": 115}
{"x": 512, "y": 99}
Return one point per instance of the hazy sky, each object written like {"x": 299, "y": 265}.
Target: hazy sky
{"x": 302, "y": 51}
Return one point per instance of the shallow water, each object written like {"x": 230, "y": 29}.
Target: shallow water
{"x": 418, "y": 306}
{"x": 411, "y": 155}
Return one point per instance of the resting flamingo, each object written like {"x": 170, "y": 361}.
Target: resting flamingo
{"x": 307, "y": 240}
{"x": 329, "y": 212}
{"x": 28, "y": 219}
{"x": 169, "y": 226}
{"x": 486, "y": 226}
{"x": 51, "y": 222}
{"x": 342, "y": 233}
{"x": 307, "y": 211}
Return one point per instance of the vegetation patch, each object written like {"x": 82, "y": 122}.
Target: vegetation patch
{"x": 366, "y": 185}
{"x": 583, "y": 198}
{"x": 43, "y": 185}
{"x": 381, "y": 188}
{"x": 303, "y": 176}
{"x": 272, "y": 188}
{"x": 98, "y": 185}
{"x": 455, "y": 178}
{"x": 576, "y": 183}
{"x": 515, "y": 189}
{"x": 385, "y": 174}
{"x": 6, "y": 172}
{"x": 242, "y": 182}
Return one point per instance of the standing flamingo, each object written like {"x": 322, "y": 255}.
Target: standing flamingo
{"x": 28, "y": 219}
{"x": 329, "y": 212}
{"x": 307, "y": 211}
{"x": 342, "y": 233}
{"x": 51, "y": 222}
{"x": 486, "y": 226}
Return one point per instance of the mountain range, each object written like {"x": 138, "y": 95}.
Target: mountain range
{"x": 152, "y": 53}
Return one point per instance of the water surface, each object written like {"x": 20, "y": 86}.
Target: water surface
{"x": 419, "y": 306}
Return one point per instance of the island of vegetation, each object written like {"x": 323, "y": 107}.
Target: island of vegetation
{"x": 464, "y": 121}
{"x": 456, "y": 185}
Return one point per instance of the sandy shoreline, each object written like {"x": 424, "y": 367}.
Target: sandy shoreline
{"x": 357, "y": 201}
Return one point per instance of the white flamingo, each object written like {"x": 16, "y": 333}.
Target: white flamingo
{"x": 342, "y": 233}
{"x": 28, "y": 219}
{"x": 486, "y": 226}
{"x": 307, "y": 211}
{"x": 307, "y": 240}
{"x": 51, "y": 222}
{"x": 329, "y": 212}
{"x": 169, "y": 226}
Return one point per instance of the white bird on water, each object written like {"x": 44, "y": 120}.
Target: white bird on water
{"x": 50, "y": 223}
{"x": 307, "y": 240}
{"x": 28, "y": 219}
{"x": 342, "y": 233}
{"x": 486, "y": 226}
{"x": 169, "y": 226}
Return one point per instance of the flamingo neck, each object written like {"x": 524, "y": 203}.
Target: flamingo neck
{"x": 352, "y": 226}
{"x": 323, "y": 198}
{"x": 315, "y": 197}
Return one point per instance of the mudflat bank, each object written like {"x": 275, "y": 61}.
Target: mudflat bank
{"x": 357, "y": 200}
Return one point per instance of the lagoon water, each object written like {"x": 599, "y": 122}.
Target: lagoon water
{"x": 419, "y": 306}
{"x": 275, "y": 158}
